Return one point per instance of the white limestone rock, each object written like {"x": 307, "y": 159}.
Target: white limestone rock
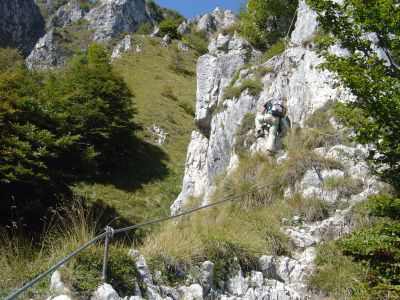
{"x": 306, "y": 23}
{"x": 267, "y": 265}
{"x": 59, "y": 297}
{"x": 207, "y": 276}
{"x": 296, "y": 270}
{"x": 122, "y": 47}
{"x": 66, "y": 15}
{"x": 192, "y": 292}
{"x": 183, "y": 47}
{"x": 113, "y": 16}
{"x": 216, "y": 20}
{"x": 56, "y": 284}
{"x": 105, "y": 292}
{"x": 152, "y": 291}
{"x": 185, "y": 26}
{"x": 256, "y": 279}
{"x": 312, "y": 185}
{"x": 237, "y": 285}
{"x": 45, "y": 55}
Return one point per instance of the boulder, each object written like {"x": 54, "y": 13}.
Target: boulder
{"x": 56, "y": 285}
{"x": 207, "y": 276}
{"x": 105, "y": 292}
{"x": 267, "y": 265}
{"x": 192, "y": 292}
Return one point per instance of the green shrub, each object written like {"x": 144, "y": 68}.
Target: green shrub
{"x": 84, "y": 274}
{"x": 254, "y": 87}
{"x": 188, "y": 107}
{"x": 372, "y": 252}
{"x": 61, "y": 129}
{"x": 378, "y": 246}
{"x": 265, "y": 22}
{"x": 169, "y": 27}
{"x": 197, "y": 40}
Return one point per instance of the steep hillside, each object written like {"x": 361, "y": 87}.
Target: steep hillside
{"x": 164, "y": 100}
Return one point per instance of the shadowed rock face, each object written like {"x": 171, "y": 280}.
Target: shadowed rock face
{"x": 21, "y": 24}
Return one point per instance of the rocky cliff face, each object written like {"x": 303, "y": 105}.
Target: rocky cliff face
{"x": 106, "y": 21}
{"x": 211, "y": 22}
{"x": 292, "y": 74}
{"x": 21, "y": 24}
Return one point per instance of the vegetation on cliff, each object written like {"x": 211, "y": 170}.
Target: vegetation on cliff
{"x": 369, "y": 31}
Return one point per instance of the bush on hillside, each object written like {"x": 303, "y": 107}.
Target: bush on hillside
{"x": 264, "y": 22}
{"x": 169, "y": 27}
{"x": 59, "y": 129}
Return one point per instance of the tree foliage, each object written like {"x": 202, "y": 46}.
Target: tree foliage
{"x": 369, "y": 68}
{"x": 169, "y": 27}
{"x": 266, "y": 21}
{"x": 59, "y": 128}
{"x": 369, "y": 30}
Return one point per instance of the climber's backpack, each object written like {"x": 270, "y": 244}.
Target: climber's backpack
{"x": 278, "y": 109}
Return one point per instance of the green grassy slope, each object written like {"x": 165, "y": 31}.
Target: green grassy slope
{"x": 162, "y": 97}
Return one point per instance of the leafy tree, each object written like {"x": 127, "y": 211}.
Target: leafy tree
{"x": 369, "y": 31}
{"x": 266, "y": 21}
{"x": 97, "y": 101}
{"x": 58, "y": 129}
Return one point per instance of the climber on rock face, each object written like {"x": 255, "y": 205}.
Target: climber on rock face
{"x": 272, "y": 118}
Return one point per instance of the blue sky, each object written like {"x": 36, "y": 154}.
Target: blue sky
{"x": 192, "y": 8}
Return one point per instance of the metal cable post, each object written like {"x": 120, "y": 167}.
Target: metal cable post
{"x": 109, "y": 234}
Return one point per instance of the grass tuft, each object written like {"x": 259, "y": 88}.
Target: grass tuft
{"x": 254, "y": 87}
{"x": 22, "y": 259}
{"x": 338, "y": 275}
{"x": 274, "y": 50}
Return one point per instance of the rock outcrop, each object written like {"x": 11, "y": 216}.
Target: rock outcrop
{"x": 292, "y": 74}
{"x": 111, "y": 17}
{"x": 66, "y": 15}
{"x": 21, "y": 24}
{"x": 45, "y": 55}
{"x": 107, "y": 20}
{"x": 210, "y": 23}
